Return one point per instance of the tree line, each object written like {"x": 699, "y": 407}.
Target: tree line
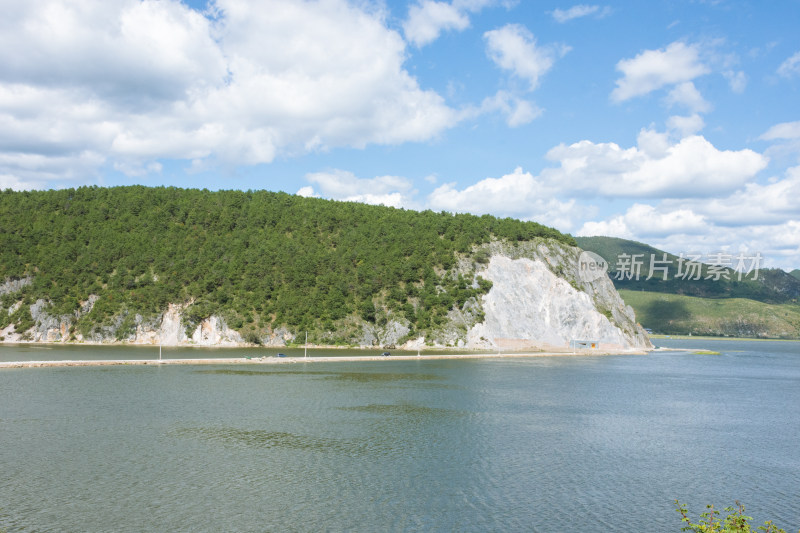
{"x": 260, "y": 259}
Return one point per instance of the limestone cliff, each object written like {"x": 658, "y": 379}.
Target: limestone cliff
{"x": 538, "y": 299}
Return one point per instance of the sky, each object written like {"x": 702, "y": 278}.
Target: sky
{"x": 675, "y": 123}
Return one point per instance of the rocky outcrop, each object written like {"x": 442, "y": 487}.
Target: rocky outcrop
{"x": 169, "y": 330}
{"x": 11, "y": 286}
{"x": 539, "y": 300}
{"x": 529, "y": 306}
{"x": 387, "y": 335}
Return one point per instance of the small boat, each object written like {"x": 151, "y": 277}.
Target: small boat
{"x": 386, "y": 354}
{"x": 281, "y": 355}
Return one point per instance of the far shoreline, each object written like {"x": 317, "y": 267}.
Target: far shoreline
{"x": 316, "y": 359}
{"x": 712, "y": 338}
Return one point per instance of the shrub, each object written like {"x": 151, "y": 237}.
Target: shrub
{"x": 735, "y": 522}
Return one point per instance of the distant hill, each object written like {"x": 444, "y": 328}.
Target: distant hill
{"x": 673, "y": 314}
{"x": 718, "y": 303}
{"x": 795, "y": 273}
{"x": 769, "y": 286}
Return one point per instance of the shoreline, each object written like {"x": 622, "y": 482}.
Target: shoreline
{"x": 295, "y": 360}
{"x": 712, "y": 338}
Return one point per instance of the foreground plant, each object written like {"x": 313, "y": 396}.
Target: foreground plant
{"x": 735, "y": 522}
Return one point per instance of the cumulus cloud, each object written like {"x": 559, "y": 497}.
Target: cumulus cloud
{"x": 685, "y": 126}
{"x": 427, "y": 19}
{"x": 513, "y": 48}
{"x": 754, "y": 204}
{"x": 645, "y": 221}
{"x": 778, "y": 244}
{"x": 392, "y": 191}
{"x": 784, "y": 130}
{"x": 578, "y": 11}
{"x": 657, "y": 166}
{"x": 653, "y": 69}
{"x": 517, "y": 111}
{"x": 518, "y": 194}
{"x": 126, "y": 83}
{"x": 686, "y": 94}
{"x": 790, "y": 67}
{"x": 758, "y": 217}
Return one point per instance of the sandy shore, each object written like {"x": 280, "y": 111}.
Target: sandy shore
{"x": 296, "y": 360}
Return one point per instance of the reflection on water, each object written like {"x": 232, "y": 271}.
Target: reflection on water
{"x": 548, "y": 444}
{"x": 264, "y": 439}
{"x": 401, "y": 410}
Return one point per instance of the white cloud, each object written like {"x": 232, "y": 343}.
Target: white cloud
{"x": 762, "y": 218}
{"x": 790, "y": 67}
{"x": 13, "y": 182}
{"x": 692, "y": 167}
{"x": 687, "y": 95}
{"x": 392, "y": 191}
{"x": 131, "y": 82}
{"x": 754, "y": 204}
{"x": 685, "y": 126}
{"x": 428, "y": 19}
{"x": 518, "y": 194}
{"x": 308, "y": 192}
{"x": 518, "y": 112}
{"x": 784, "y": 130}
{"x": 645, "y": 221}
{"x": 737, "y": 80}
{"x": 514, "y": 48}
{"x": 578, "y": 11}
{"x": 691, "y": 232}
{"x": 653, "y": 69}
{"x": 38, "y": 169}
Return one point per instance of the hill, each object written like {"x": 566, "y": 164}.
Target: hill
{"x": 138, "y": 264}
{"x": 795, "y": 273}
{"x": 674, "y": 314}
{"x": 718, "y": 303}
{"x": 763, "y": 285}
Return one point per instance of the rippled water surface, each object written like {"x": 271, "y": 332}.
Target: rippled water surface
{"x": 542, "y": 444}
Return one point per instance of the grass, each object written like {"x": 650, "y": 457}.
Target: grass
{"x": 673, "y": 314}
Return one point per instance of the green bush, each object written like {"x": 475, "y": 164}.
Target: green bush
{"x": 735, "y": 522}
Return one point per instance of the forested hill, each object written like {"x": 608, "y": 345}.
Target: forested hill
{"x": 259, "y": 259}
{"x": 764, "y": 285}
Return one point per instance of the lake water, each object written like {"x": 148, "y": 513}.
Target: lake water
{"x": 557, "y": 444}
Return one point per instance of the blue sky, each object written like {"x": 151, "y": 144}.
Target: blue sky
{"x": 674, "y": 123}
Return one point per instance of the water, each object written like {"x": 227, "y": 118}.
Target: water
{"x": 542, "y": 444}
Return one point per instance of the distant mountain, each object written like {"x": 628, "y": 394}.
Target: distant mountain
{"x": 717, "y": 303}
{"x": 795, "y": 273}
{"x": 765, "y": 285}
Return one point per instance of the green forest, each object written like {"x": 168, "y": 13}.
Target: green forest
{"x": 259, "y": 259}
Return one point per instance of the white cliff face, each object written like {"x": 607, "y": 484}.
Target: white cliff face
{"x": 540, "y": 299}
{"x": 214, "y": 332}
{"x": 529, "y": 306}
{"x": 171, "y": 332}
{"x": 168, "y": 331}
